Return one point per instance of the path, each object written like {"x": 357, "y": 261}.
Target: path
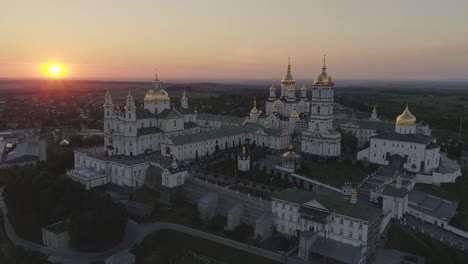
{"x": 134, "y": 234}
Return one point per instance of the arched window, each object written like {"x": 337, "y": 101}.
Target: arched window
{"x": 318, "y": 109}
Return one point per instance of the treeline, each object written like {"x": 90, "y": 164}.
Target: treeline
{"x": 37, "y": 196}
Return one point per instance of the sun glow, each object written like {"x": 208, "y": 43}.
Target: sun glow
{"x": 54, "y": 69}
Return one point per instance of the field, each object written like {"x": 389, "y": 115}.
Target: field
{"x": 433, "y": 251}
{"x": 167, "y": 246}
{"x": 441, "y": 108}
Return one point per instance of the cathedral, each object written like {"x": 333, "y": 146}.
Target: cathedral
{"x": 311, "y": 117}
{"x": 134, "y": 131}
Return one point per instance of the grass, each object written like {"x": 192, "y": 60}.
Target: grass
{"x": 333, "y": 172}
{"x": 167, "y": 246}
{"x": 433, "y": 251}
{"x": 145, "y": 195}
{"x": 454, "y": 192}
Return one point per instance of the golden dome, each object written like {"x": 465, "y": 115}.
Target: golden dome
{"x": 254, "y": 110}
{"x": 291, "y": 154}
{"x": 323, "y": 78}
{"x": 174, "y": 163}
{"x": 291, "y": 88}
{"x": 156, "y": 95}
{"x": 288, "y": 79}
{"x": 406, "y": 118}
{"x": 272, "y": 88}
{"x": 294, "y": 114}
{"x": 303, "y": 88}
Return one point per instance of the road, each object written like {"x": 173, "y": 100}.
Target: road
{"x": 134, "y": 234}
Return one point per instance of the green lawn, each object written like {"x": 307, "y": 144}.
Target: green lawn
{"x": 433, "y": 251}
{"x": 333, "y": 172}
{"x": 454, "y": 192}
{"x": 167, "y": 246}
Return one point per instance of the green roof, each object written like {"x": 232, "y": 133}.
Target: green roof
{"x": 331, "y": 202}
{"x": 144, "y": 114}
{"x": 168, "y": 113}
{"x": 273, "y": 132}
{"x": 185, "y": 111}
{"x": 390, "y": 190}
{"x": 148, "y": 130}
{"x": 413, "y": 138}
{"x": 222, "y": 118}
{"x": 367, "y": 124}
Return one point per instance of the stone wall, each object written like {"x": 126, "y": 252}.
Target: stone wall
{"x": 254, "y": 207}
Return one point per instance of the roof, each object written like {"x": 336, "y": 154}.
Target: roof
{"x": 190, "y": 124}
{"x": 331, "y": 202}
{"x": 148, "y": 130}
{"x": 413, "y": 138}
{"x": 58, "y": 227}
{"x": 209, "y": 198}
{"x": 223, "y": 131}
{"x": 142, "y": 113}
{"x": 432, "y": 205}
{"x": 185, "y": 111}
{"x": 222, "y": 118}
{"x": 24, "y": 152}
{"x": 367, "y": 124}
{"x": 390, "y": 190}
{"x": 334, "y": 249}
{"x": 169, "y": 113}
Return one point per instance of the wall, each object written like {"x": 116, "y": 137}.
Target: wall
{"x": 194, "y": 189}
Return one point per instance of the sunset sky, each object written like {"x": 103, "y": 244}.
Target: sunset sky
{"x": 363, "y": 39}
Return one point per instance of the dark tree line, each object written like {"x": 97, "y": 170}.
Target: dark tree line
{"x": 37, "y": 196}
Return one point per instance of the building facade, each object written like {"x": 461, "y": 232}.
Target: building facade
{"x": 320, "y": 138}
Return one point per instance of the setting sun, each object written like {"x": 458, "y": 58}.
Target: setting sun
{"x": 54, "y": 70}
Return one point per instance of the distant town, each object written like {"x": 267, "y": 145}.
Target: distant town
{"x": 285, "y": 173}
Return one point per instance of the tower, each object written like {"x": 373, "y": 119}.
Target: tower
{"x": 288, "y": 83}
{"x": 254, "y": 113}
{"x": 304, "y": 92}
{"x": 320, "y": 139}
{"x": 272, "y": 92}
{"x": 130, "y": 143}
{"x": 108, "y": 116}
{"x": 243, "y": 160}
{"x": 184, "y": 101}
{"x": 374, "y": 114}
{"x": 322, "y": 102}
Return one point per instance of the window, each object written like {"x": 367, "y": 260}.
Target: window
{"x": 360, "y": 237}
{"x": 360, "y": 226}
{"x": 175, "y": 123}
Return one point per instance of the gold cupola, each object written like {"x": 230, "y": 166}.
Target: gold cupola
{"x": 294, "y": 114}
{"x": 156, "y": 95}
{"x": 303, "y": 88}
{"x": 174, "y": 163}
{"x": 254, "y": 110}
{"x": 288, "y": 79}
{"x": 272, "y": 88}
{"x": 406, "y": 118}
{"x": 323, "y": 78}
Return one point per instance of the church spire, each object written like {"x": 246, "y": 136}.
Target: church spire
{"x": 324, "y": 66}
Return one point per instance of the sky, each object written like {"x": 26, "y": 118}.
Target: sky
{"x": 245, "y": 39}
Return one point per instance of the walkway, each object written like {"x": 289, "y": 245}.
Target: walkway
{"x": 134, "y": 234}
